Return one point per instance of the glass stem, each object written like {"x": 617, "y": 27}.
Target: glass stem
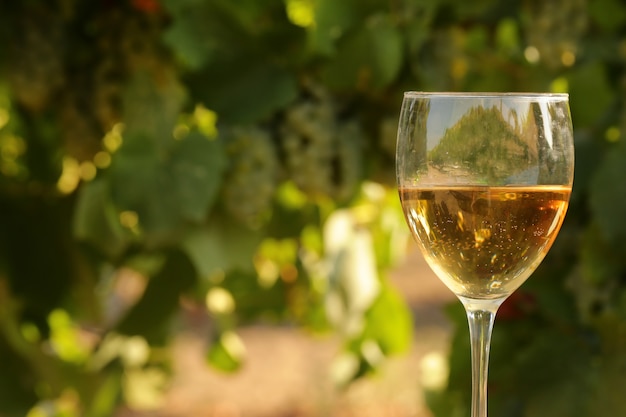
{"x": 481, "y": 315}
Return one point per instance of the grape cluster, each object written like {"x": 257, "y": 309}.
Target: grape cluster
{"x": 322, "y": 152}
{"x": 126, "y": 43}
{"x": 36, "y": 70}
{"x": 252, "y": 177}
{"x": 77, "y": 66}
{"x": 554, "y": 28}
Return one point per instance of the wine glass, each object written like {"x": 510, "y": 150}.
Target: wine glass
{"x": 484, "y": 180}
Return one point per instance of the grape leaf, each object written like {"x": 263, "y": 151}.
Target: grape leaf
{"x": 37, "y": 254}
{"x": 599, "y": 261}
{"x": 608, "y": 14}
{"x": 103, "y": 396}
{"x": 15, "y": 399}
{"x": 332, "y": 20}
{"x": 589, "y": 154}
{"x": 369, "y": 57}
{"x": 226, "y": 352}
{"x": 160, "y": 300}
{"x": 507, "y": 37}
{"x": 389, "y": 322}
{"x": 560, "y": 399}
{"x": 417, "y": 28}
{"x": 245, "y": 90}
{"x": 141, "y": 184}
{"x": 96, "y": 222}
{"x": 608, "y": 369}
{"x": 167, "y": 188}
{"x": 196, "y": 166}
{"x": 152, "y": 105}
{"x": 221, "y": 245}
{"x": 204, "y": 33}
{"x": 254, "y": 16}
{"x": 189, "y": 36}
{"x": 589, "y": 84}
{"x": 608, "y": 196}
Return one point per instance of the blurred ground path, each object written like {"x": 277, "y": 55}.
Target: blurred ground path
{"x": 287, "y": 372}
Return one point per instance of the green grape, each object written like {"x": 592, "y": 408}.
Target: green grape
{"x": 140, "y": 45}
{"x": 80, "y": 131}
{"x": 128, "y": 43}
{"x": 91, "y": 106}
{"x": 107, "y": 93}
{"x": 123, "y": 43}
{"x": 322, "y": 154}
{"x": 307, "y": 142}
{"x": 252, "y": 178}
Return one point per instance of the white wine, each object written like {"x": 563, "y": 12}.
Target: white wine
{"x": 484, "y": 242}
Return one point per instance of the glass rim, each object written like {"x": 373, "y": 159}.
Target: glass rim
{"x": 485, "y": 95}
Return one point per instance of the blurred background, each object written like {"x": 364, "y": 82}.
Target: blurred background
{"x": 198, "y": 213}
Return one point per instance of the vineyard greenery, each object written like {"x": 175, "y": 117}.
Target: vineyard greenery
{"x": 237, "y": 159}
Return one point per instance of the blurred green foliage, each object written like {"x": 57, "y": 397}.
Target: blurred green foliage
{"x": 160, "y": 156}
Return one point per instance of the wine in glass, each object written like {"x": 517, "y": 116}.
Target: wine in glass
{"x": 484, "y": 180}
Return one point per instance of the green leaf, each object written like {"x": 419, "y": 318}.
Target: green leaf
{"x": 189, "y": 35}
{"x": 599, "y": 262}
{"x": 608, "y": 369}
{"x": 167, "y": 188}
{"x": 245, "y": 90}
{"x": 96, "y": 220}
{"x": 149, "y": 317}
{"x": 476, "y": 40}
{"x": 221, "y": 246}
{"x": 105, "y": 396}
{"x": 560, "y": 399}
{"x": 464, "y": 10}
{"x": 196, "y": 166}
{"x": 369, "y": 57}
{"x": 287, "y": 222}
{"x": 332, "y": 20}
{"x": 608, "y": 196}
{"x": 254, "y": 16}
{"x": 589, "y": 156}
{"x": 390, "y": 232}
{"x": 389, "y": 322}
{"x": 543, "y": 367}
{"x": 152, "y": 105}
{"x": 226, "y": 353}
{"x": 418, "y": 25}
{"x": 608, "y": 14}
{"x": 15, "y": 398}
{"x": 204, "y": 34}
{"x": 589, "y": 84}
{"x": 140, "y": 183}
{"x": 507, "y": 37}
{"x": 257, "y": 299}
